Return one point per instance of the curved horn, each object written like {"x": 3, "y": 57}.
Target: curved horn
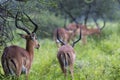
{"x": 69, "y": 13}
{"x": 78, "y": 38}
{"x": 103, "y": 22}
{"x": 95, "y": 20}
{"x": 87, "y": 14}
{"x": 16, "y": 24}
{"x": 65, "y": 21}
{"x": 66, "y": 11}
{"x": 58, "y": 38}
{"x": 36, "y": 26}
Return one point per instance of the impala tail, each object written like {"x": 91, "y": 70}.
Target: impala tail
{"x": 65, "y": 59}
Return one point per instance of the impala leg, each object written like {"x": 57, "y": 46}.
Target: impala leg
{"x": 26, "y": 77}
{"x": 84, "y": 40}
{"x": 98, "y": 35}
{"x": 71, "y": 71}
{"x": 18, "y": 71}
{"x": 58, "y": 45}
{"x": 27, "y": 73}
{"x": 64, "y": 70}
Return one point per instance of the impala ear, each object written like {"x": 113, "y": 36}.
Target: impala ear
{"x": 22, "y": 35}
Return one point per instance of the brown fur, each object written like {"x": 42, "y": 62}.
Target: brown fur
{"x": 15, "y": 57}
{"x": 64, "y": 34}
{"x": 85, "y": 31}
{"x": 66, "y": 57}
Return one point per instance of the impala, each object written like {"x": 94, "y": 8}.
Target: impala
{"x": 85, "y": 30}
{"x": 66, "y": 55}
{"x": 64, "y": 34}
{"x": 16, "y": 60}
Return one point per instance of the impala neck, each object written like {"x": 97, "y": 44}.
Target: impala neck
{"x": 30, "y": 48}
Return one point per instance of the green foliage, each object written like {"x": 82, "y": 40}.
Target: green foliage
{"x": 48, "y": 22}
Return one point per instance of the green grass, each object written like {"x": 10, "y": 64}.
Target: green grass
{"x": 98, "y": 60}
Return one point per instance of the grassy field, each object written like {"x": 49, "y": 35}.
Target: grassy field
{"x": 98, "y": 60}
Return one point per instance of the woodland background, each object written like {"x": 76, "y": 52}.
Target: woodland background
{"x": 98, "y": 60}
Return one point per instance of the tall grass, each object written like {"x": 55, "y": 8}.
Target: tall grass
{"x": 99, "y": 59}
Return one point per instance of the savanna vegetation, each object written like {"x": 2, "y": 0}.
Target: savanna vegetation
{"x": 97, "y": 60}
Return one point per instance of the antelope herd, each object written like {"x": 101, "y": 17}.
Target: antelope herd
{"x": 62, "y": 36}
{"x": 73, "y": 29}
{"x": 85, "y": 30}
{"x": 16, "y": 60}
